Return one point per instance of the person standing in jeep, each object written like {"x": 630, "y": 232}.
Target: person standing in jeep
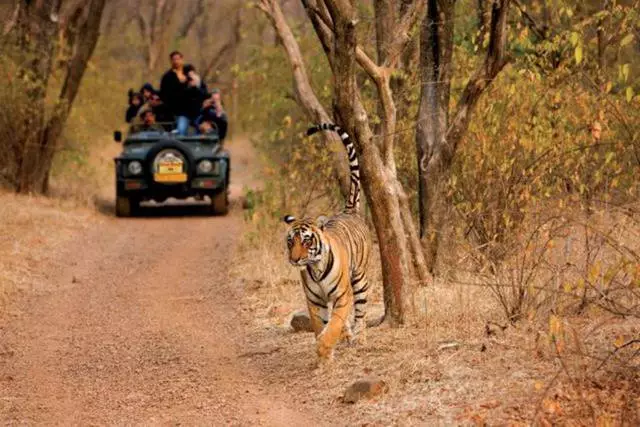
{"x": 173, "y": 92}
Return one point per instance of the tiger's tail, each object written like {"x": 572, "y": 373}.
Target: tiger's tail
{"x": 353, "y": 202}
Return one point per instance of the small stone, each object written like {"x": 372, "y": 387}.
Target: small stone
{"x": 367, "y": 389}
{"x": 300, "y": 322}
{"x": 492, "y": 404}
{"x": 75, "y": 280}
{"x": 448, "y": 345}
{"x": 278, "y": 311}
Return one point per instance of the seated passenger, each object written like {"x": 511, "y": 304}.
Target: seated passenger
{"x": 212, "y": 111}
{"x": 147, "y": 92}
{"x": 206, "y": 127}
{"x": 155, "y": 104}
{"x": 148, "y": 123}
{"x": 163, "y": 115}
{"x": 135, "y": 103}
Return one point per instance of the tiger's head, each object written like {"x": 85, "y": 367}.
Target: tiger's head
{"x": 304, "y": 240}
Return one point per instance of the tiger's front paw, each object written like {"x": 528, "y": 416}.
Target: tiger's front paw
{"x": 324, "y": 352}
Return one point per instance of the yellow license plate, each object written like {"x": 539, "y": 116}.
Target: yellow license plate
{"x": 173, "y": 177}
{"x": 170, "y": 168}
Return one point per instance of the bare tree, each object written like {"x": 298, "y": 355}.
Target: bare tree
{"x": 305, "y": 96}
{"x": 155, "y": 19}
{"x": 437, "y": 136}
{"x": 227, "y": 41}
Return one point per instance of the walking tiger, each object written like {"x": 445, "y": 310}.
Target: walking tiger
{"x": 333, "y": 256}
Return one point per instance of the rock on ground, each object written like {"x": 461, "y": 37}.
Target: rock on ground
{"x": 367, "y": 389}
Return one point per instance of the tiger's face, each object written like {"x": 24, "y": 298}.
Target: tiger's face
{"x": 304, "y": 242}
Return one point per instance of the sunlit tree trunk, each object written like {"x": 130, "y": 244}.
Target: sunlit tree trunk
{"x": 40, "y": 27}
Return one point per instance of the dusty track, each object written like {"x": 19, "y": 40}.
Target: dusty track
{"x": 138, "y": 325}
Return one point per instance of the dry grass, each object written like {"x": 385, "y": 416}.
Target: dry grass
{"x": 31, "y": 229}
{"x": 460, "y": 364}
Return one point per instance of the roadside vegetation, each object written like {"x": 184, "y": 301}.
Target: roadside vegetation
{"x": 533, "y": 256}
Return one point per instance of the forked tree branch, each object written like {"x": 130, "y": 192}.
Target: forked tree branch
{"x": 402, "y": 36}
{"x": 380, "y": 75}
{"x": 305, "y": 95}
{"x": 191, "y": 19}
{"x": 8, "y": 26}
{"x": 227, "y": 48}
{"x": 495, "y": 61}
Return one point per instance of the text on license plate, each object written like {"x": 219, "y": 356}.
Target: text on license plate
{"x": 169, "y": 168}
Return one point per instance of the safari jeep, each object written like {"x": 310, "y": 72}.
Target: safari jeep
{"x": 155, "y": 165}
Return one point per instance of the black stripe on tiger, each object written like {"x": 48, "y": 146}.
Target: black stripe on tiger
{"x": 353, "y": 201}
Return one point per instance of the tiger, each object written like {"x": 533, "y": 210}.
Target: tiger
{"x": 333, "y": 255}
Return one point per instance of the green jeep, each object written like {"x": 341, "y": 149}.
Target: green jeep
{"x": 157, "y": 164}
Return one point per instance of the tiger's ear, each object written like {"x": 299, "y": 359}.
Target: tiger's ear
{"x": 321, "y": 221}
{"x": 289, "y": 219}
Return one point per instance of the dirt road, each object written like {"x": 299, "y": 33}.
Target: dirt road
{"x": 138, "y": 325}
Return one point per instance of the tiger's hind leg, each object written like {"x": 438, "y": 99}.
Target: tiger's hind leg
{"x": 360, "y": 287}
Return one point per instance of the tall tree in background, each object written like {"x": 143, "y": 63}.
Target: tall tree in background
{"x": 39, "y": 27}
{"x": 438, "y": 135}
{"x": 210, "y": 29}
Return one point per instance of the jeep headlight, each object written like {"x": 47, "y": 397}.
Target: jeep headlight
{"x": 205, "y": 166}
{"x": 135, "y": 167}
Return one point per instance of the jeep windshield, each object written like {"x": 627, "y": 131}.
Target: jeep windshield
{"x": 167, "y": 130}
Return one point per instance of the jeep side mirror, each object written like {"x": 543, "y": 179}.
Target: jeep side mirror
{"x": 117, "y": 136}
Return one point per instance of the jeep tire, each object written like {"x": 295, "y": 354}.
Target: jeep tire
{"x": 126, "y": 206}
{"x": 220, "y": 203}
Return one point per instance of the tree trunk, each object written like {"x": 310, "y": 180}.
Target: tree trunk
{"x": 88, "y": 33}
{"x": 437, "y": 138}
{"x": 434, "y": 158}
{"x": 41, "y": 141}
{"x": 379, "y": 184}
{"x": 37, "y": 37}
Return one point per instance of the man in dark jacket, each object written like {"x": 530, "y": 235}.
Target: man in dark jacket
{"x": 173, "y": 92}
